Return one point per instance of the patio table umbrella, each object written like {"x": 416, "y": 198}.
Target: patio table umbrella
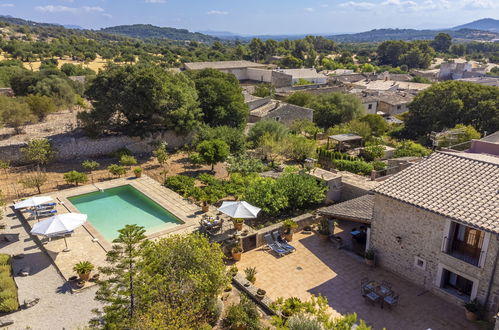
{"x": 240, "y": 209}
{"x": 58, "y": 225}
{"x": 33, "y": 201}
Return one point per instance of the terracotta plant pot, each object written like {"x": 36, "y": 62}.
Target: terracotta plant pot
{"x": 84, "y": 276}
{"x": 323, "y": 237}
{"x": 205, "y": 208}
{"x": 369, "y": 262}
{"x": 470, "y": 316}
{"x": 237, "y": 255}
{"x": 138, "y": 175}
{"x": 288, "y": 237}
{"x": 238, "y": 226}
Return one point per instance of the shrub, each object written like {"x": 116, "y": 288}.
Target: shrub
{"x": 245, "y": 314}
{"x": 357, "y": 167}
{"x": 289, "y": 225}
{"x": 410, "y": 148}
{"x": 378, "y": 166}
{"x": 75, "y": 177}
{"x": 373, "y": 152}
{"x": 121, "y": 152}
{"x": 181, "y": 184}
{"x": 272, "y": 127}
{"x": 4, "y": 259}
{"x": 244, "y": 164}
{"x": 116, "y": 170}
{"x": 127, "y": 160}
{"x": 250, "y": 274}
{"x": 303, "y": 322}
{"x": 9, "y": 305}
{"x": 90, "y": 165}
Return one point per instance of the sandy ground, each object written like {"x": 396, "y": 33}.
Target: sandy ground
{"x": 177, "y": 164}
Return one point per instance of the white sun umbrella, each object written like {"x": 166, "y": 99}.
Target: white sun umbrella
{"x": 240, "y": 209}
{"x": 58, "y": 225}
{"x": 33, "y": 201}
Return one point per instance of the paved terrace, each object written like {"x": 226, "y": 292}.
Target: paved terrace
{"x": 86, "y": 243}
{"x": 316, "y": 267}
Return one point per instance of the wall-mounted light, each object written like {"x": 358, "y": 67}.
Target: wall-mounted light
{"x": 398, "y": 239}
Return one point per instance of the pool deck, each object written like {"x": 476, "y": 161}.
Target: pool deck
{"x": 86, "y": 243}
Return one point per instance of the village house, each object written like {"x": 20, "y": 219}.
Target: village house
{"x": 436, "y": 224}
{"x": 453, "y": 71}
{"x": 368, "y": 100}
{"x": 389, "y": 85}
{"x": 394, "y": 103}
{"x": 267, "y": 108}
{"x": 309, "y": 74}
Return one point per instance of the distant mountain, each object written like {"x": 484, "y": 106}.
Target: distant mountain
{"x": 75, "y": 27}
{"x": 411, "y": 34}
{"x": 144, "y": 31}
{"x": 19, "y": 21}
{"x": 485, "y": 24}
{"x": 219, "y": 34}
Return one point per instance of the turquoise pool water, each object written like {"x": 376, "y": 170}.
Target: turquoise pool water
{"x": 113, "y": 208}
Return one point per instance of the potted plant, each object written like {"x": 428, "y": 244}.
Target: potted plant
{"x": 323, "y": 229}
{"x": 237, "y": 252}
{"x": 233, "y": 270}
{"x": 83, "y": 269}
{"x": 251, "y": 274}
{"x": 289, "y": 226}
{"x": 369, "y": 257}
{"x": 238, "y": 224}
{"x": 472, "y": 308}
{"x": 260, "y": 293}
{"x": 138, "y": 172}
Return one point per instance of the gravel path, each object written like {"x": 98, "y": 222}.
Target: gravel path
{"x": 58, "y": 308}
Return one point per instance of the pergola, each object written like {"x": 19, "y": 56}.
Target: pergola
{"x": 344, "y": 138}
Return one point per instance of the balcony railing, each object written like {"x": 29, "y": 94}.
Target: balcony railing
{"x": 465, "y": 252}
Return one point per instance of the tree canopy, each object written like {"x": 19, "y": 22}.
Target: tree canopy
{"x": 139, "y": 99}
{"x": 220, "y": 98}
{"x": 447, "y": 104}
{"x": 335, "y": 108}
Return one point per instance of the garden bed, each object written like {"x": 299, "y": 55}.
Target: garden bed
{"x": 9, "y": 301}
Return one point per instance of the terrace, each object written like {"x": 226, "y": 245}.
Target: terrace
{"x": 316, "y": 267}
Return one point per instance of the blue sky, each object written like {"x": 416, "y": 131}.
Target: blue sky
{"x": 257, "y": 16}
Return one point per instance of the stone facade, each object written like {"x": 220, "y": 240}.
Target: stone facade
{"x": 400, "y": 233}
{"x": 71, "y": 147}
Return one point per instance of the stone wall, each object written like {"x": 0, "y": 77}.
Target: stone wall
{"x": 422, "y": 235}
{"x": 280, "y": 79}
{"x": 71, "y": 147}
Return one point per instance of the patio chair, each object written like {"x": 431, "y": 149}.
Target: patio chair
{"x": 46, "y": 206}
{"x": 282, "y": 242}
{"x": 391, "y": 301}
{"x": 273, "y": 246}
{"x": 45, "y": 213}
{"x": 372, "y": 297}
{"x": 385, "y": 288}
{"x": 366, "y": 286}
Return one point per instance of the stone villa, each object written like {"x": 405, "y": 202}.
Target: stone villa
{"x": 267, "y": 108}
{"x": 437, "y": 223}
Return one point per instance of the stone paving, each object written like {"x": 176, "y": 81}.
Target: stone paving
{"x": 58, "y": 308}
{"x": 316, "y": 267}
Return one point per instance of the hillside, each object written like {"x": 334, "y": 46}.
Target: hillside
{"x": 486, "y": 24}
{"x": 144, "y": 31}
{"x": 411, "y": 34}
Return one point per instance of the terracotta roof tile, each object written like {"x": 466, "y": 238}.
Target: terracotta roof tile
{"x": 461, "y": 186}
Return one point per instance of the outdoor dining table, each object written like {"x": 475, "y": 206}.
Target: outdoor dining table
{"x": 377, "y": 292}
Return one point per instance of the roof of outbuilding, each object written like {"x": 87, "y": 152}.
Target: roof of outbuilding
{"x": 345, "y": 137}
{"x": 358, "y": 209}
{"x": 220, "y": 65}
{"x": 460, "y": 186}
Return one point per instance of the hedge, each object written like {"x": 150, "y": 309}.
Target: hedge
{"x": 357, "y": 166}
{"x": 8, "y": 289}
{"x": 334, "y": 155}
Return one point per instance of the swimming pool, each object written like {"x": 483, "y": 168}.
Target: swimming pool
{"x": 113, "y": 208}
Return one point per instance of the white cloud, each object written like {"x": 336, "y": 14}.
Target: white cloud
{"x": 407, "y": 5}
{"x": 155, "y": 1}
{"x": 309, "y": 9}
{"x": 480, "y": 4}
{"x": 217, "y": 12}
{"x": 107, "y": 15}
{"x": 5, "y": 5}
{"x": 65, "y": 9}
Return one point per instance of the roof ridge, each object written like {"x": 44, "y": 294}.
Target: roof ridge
{"x": 462, "y": 155}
